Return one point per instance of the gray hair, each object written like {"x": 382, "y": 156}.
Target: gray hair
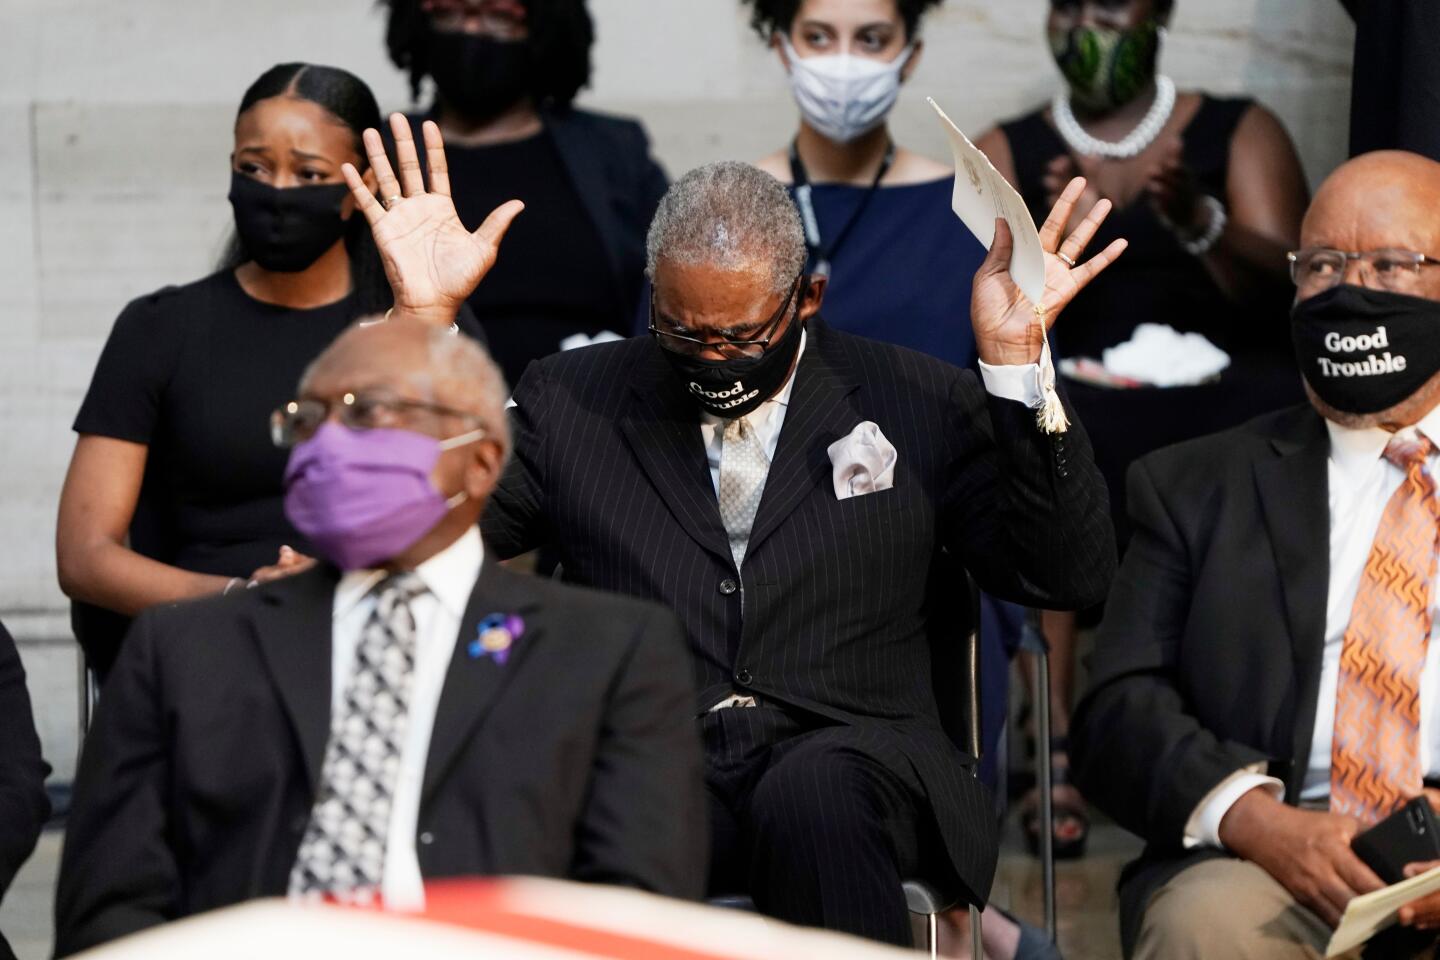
{"x": 729, "y": 215}
{"x": 462, "y": 359}
{"x": 454, "y": 358}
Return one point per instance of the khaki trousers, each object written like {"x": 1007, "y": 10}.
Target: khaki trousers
{"x": 1232, "y": 909}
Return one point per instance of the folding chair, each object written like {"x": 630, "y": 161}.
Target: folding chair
{"x": 88, "y": 693}
{"x": 1034, "y": 643}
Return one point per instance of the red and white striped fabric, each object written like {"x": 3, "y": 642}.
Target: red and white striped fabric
{"x": 509, "y": 919}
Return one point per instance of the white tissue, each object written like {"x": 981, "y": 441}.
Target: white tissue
{"x": 1162, "y": 356}
{"x": 578, "y": 340}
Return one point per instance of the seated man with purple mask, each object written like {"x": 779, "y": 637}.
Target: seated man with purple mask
{"x": 406, "y": 711}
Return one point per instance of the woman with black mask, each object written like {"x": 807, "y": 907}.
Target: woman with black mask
{"x": 174, "y": 488}
{"x": 505, "y": 73}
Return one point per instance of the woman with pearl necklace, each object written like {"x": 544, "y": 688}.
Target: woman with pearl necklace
{"x": 1210, "y": 193}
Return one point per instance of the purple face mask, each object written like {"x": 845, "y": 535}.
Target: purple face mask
{"x": 364, "y": 496}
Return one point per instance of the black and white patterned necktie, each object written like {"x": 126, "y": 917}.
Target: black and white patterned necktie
{"x": 343, "y": 852}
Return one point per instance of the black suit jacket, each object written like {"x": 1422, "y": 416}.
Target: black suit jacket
{"x": 24, "y": 807}
{"x": 610, "y": 471}
{"x": 1209, "y": 656}
{"x": 574, "y": 759}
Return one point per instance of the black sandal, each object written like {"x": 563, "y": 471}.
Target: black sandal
{"x": 1071, "y": 844}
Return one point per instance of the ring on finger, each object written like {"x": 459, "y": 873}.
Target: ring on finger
{"x": 1066, "y": 259}
{"x": 389, "y": 202}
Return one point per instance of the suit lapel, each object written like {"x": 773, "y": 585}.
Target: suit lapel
{"x": 1294, "y": 498}
{"x": 662, "y": 427}
{"x": 292, "y": 622}
{"x": 818, "y": 415}
{"x": 473, "y": 683}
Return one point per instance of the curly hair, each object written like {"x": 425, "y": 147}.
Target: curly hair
{"x": 561, "y": 34}
{"x": 770, "y": 16}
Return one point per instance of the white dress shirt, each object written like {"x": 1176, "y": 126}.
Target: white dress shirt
{"x": 449, "y": 577}
{"x": 1361, "y": 484}
{"x": 1019, "y": 383}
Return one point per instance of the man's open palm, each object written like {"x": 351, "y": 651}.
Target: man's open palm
{"x": 432, "y": 262}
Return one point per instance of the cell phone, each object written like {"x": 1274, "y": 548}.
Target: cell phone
{"x": 1406, "y": 836}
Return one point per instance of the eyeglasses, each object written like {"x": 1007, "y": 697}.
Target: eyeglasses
{"x": 1320, "y": 268}
{"x": 298, "y": 420}
{"x": 729, "y": 349}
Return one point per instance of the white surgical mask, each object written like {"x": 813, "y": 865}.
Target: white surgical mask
{"x": 841, "y": 95}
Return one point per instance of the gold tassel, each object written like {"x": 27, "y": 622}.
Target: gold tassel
{"x": 1050, "y": 416}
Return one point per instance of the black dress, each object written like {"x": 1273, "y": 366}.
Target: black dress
{"x": 194, "y": 372}
{"x": 552, "y": 279}
{"x": 1157, "y": 281}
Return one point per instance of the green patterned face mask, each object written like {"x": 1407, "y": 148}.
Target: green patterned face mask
{"x": 1106, "y": 68}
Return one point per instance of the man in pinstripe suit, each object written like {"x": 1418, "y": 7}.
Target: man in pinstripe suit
{"x": 707, "y": 470}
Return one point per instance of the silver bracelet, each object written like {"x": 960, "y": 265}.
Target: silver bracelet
{"x": 231, "y": 585}
{"x": 1198, "y": 246}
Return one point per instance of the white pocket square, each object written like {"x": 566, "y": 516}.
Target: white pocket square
{"x": 863, "y": 462}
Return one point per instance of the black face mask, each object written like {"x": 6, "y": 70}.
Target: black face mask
{"x": 735, "y": 388}
{"x": 477, "y": 76}
{"x": 286, "y": 230}
{"x": 1362, "y": 350}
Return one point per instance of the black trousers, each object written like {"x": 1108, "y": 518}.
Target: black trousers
{"x": 818, "y": 823}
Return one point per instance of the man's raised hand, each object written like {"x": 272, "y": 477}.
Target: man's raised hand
{"x": 1003, "y": 317}
{"x": 432, "y": 262}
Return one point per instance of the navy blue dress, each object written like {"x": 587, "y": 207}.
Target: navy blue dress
{"x": 903, "y": 274}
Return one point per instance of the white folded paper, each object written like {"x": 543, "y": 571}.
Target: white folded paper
{"x": 1158, "y": 354}
{"x": 1367, "y": 915}
{"x": 982, "y": 195}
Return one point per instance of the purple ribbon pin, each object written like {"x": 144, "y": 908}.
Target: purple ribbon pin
{"x": 495, "y": 636}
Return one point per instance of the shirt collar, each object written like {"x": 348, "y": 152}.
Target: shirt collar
{"x": 782, "y": 398}
{"x": 450, "y": 575}
{"x": 1355, "y": 450}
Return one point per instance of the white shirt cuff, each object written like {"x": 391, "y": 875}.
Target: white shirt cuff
{"x": 1203, "y": 827}
{"x": 1019, "y": 382}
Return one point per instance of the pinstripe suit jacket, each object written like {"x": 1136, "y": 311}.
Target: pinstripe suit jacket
{"x": 610, "y": 471}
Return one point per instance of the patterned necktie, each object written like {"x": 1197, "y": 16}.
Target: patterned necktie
{"x": 343, "y": 852}
{"x": 743, "y": 468}
{"x": 1375, "y": 760}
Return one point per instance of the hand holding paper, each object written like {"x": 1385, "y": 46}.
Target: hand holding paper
{"x": 1026, "y": 268}
{"x": 1367, "y": 915}
{"x": 1030, "y": 275}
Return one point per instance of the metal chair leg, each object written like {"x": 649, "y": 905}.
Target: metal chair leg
{"x": 83, "y": 691}
{"x": 1047, "y": 811}
{"x": 977, "y": 946}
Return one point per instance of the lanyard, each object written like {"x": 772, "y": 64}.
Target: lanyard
{"x": 823, "y": 258}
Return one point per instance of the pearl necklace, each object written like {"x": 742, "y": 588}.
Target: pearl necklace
{"x": 1137, "y": 140}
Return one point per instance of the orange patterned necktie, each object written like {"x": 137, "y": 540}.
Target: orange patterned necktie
{"x": 1375, "y": 760}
